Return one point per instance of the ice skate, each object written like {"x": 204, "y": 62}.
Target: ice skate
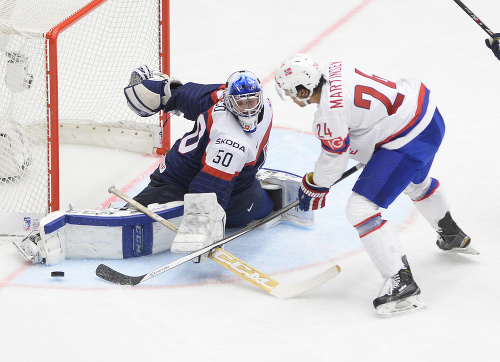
{"x": 38, "y": 247}
{"x": 452, "y": 239}
{"x": 399, "y": 294}
{"x": 30, "y": 249}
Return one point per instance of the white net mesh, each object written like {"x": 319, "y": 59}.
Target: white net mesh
{"x": 95, "y": 56}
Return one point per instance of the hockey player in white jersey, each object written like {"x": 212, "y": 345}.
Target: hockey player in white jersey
{"x": 395, "y": 129}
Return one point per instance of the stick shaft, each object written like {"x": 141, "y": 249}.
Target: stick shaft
{"x": 474, "y": 17}
{"x": 142, "y": 208}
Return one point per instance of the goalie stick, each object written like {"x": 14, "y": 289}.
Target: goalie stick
{"x": 229, "y": 261}
{"x": 475, "y": 18}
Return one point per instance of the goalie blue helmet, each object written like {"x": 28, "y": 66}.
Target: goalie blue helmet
{"x": 243, "y": 98}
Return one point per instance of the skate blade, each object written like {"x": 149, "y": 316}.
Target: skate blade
{"x": 469, "y": 250}
{"x": 21, "y": 250}
{"x": 399, "y": 308}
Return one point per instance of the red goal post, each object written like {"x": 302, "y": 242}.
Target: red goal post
{"x": 63, "y": 66}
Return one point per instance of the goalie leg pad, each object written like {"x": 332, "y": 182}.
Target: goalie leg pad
{"x": 277, "y": 182}
{"x": 203, "y": 223}
{"x": 102, "y": 234}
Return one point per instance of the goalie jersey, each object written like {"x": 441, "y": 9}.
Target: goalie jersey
{"x": 217, "y": 155}
{"x": 360, "y": 112}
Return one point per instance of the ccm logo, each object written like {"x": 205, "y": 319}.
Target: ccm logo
{"x": 241, "y": 268}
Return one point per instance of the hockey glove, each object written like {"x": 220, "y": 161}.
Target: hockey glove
{"x": 148, "y": 91}
{"x": 140, "y": 74}
{"x": 494, "y": 45}
{"x": 311, "y": 196}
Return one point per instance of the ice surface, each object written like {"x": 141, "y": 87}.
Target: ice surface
{"x": 202, "y": 312}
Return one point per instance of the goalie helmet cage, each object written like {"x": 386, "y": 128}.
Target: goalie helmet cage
{"x": 63, "y": 67}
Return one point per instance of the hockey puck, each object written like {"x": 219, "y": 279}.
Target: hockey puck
{"x": 57, "y": 274}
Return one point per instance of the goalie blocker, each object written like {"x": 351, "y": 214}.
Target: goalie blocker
{"x": 125, "y": 233}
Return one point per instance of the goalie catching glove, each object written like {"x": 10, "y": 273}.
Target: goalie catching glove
{"x": 148, "y": 91}
{"x": 311, "y": 196}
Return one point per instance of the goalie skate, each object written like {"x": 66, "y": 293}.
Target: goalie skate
{"x": 20, "y": 247}
{"x": 29, "y": 248}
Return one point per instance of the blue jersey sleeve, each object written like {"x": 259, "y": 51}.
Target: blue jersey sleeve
{"x": 204, "y": 182}
{"x": 192, "y": 99}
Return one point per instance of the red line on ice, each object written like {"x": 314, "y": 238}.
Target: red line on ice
{"x": 327, "y": 32}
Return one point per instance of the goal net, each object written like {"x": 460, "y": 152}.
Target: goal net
{"x": 63, "y": 67}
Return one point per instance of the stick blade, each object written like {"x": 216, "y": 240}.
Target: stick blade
{"x": 290, "y": 291}
{"x": 111, "y": 275}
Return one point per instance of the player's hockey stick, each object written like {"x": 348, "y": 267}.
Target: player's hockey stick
{"x": 234, "y": 264}
{"x": 475, "y": 18}
{"x": 219, "y": 255}
{"x": 153, "y": 215}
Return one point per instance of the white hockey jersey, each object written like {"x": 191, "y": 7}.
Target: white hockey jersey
{"x": 359, "y": 112}
{"x": 218, "y": 155}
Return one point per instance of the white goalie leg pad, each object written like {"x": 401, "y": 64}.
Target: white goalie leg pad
{"x": 120, "y": 234}
{"x": 289, "y": 185}
{"x": 53, "y": 245}
{"x": 203, "y": 223}
{"x": 102, "y": 234}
